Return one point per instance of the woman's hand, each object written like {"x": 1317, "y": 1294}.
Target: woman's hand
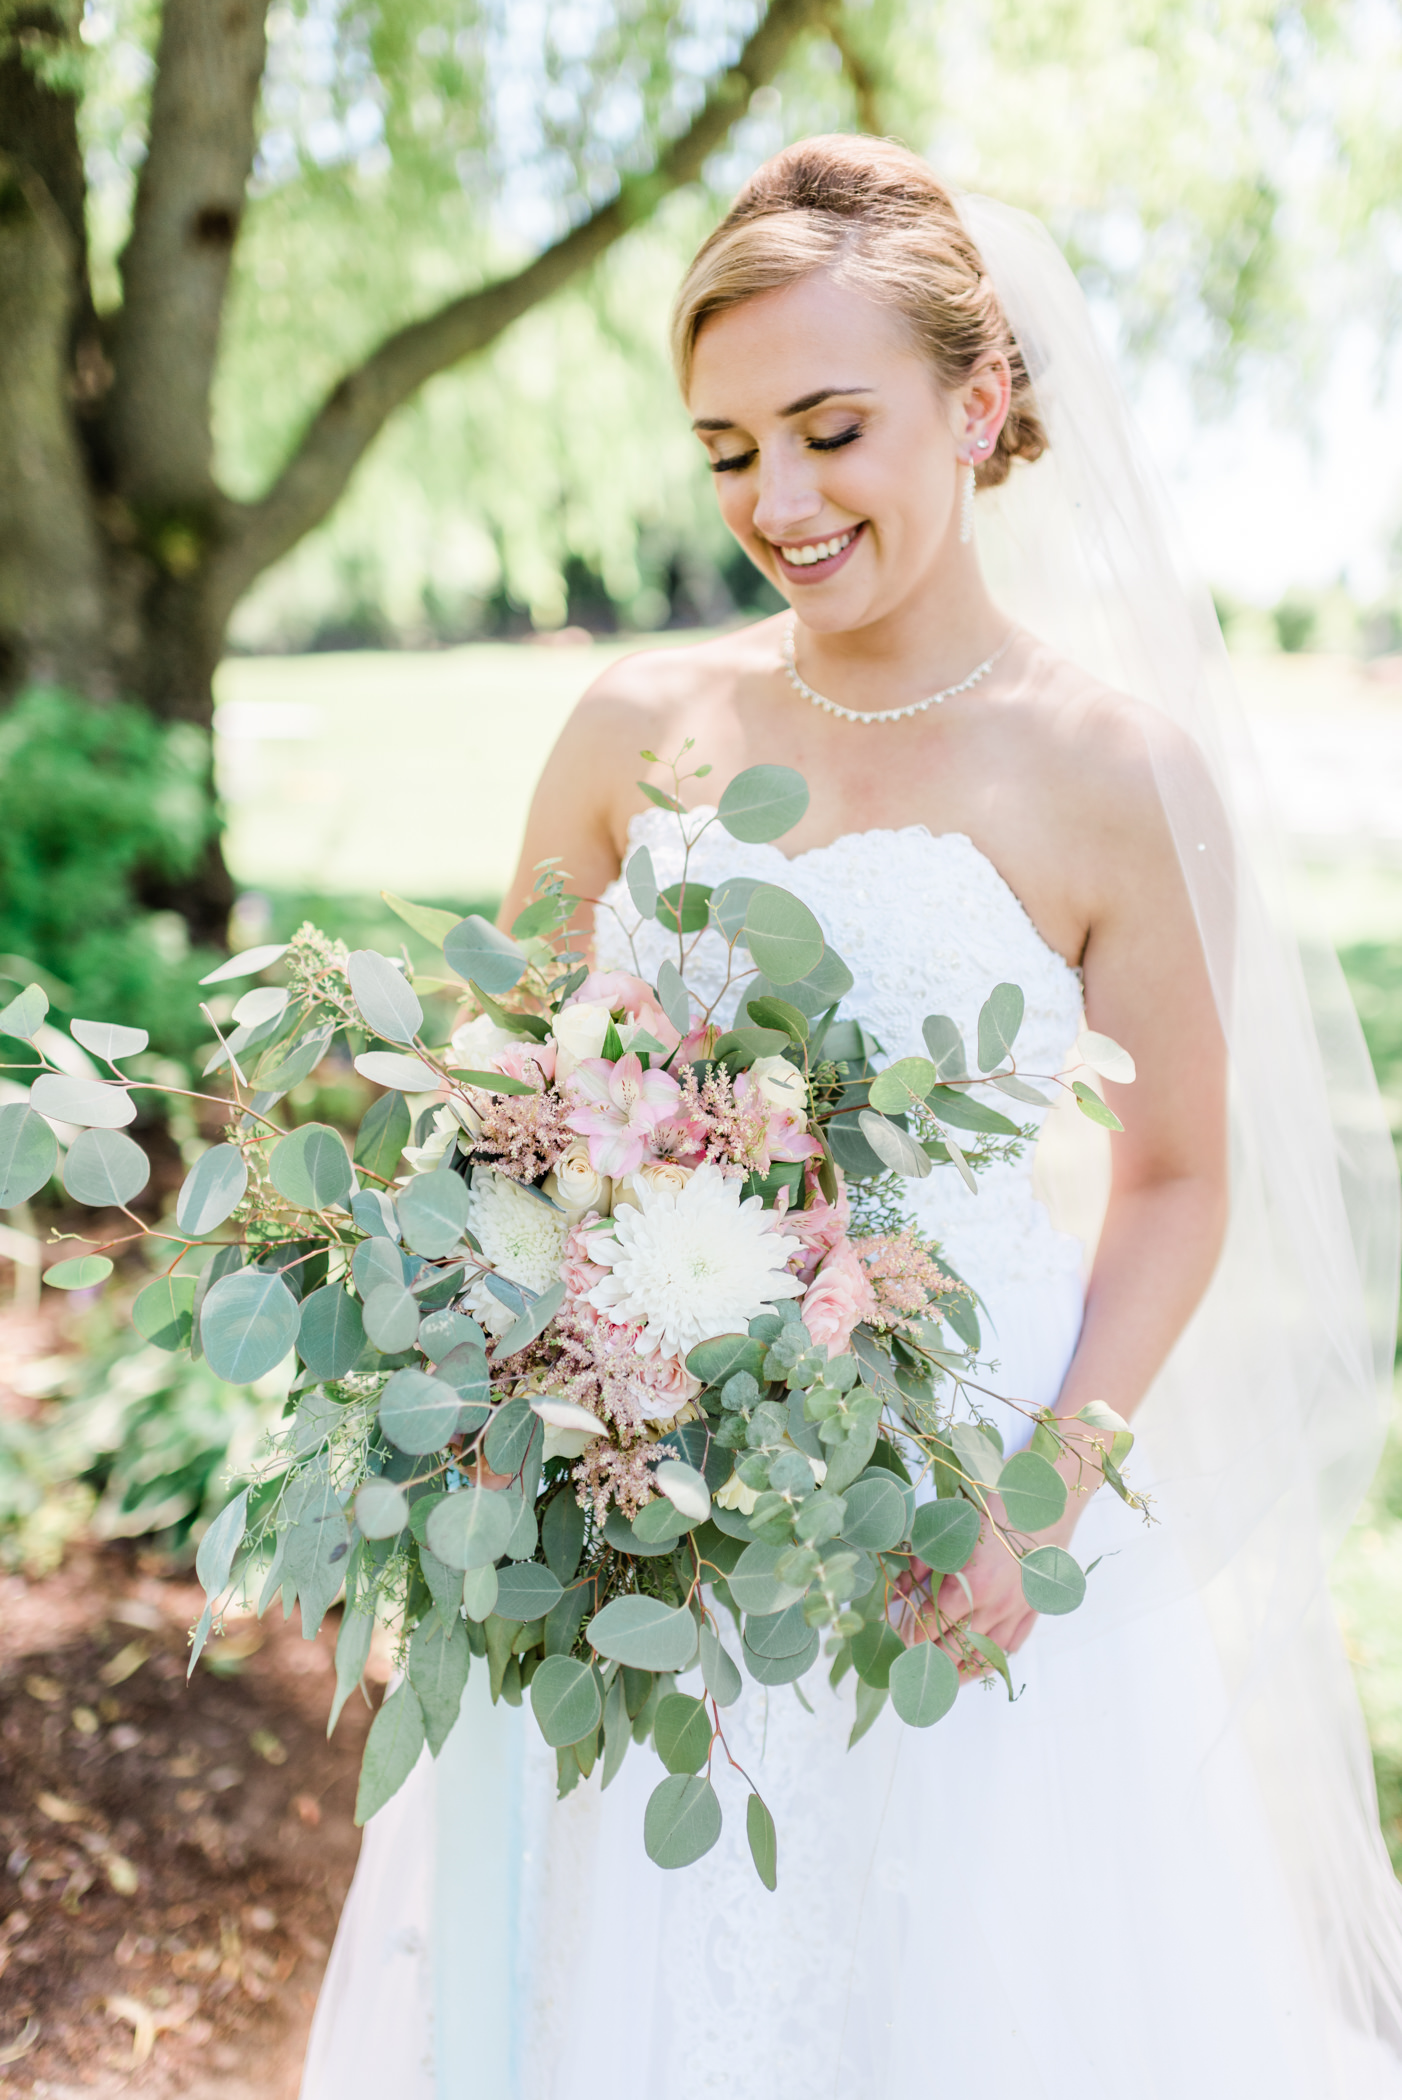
{"x": 999, "y": 1610}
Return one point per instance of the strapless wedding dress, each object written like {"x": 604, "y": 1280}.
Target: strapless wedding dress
{"x": 1075, "y": 1897}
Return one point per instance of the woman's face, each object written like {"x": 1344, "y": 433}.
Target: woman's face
{"x": 836, "y": 453}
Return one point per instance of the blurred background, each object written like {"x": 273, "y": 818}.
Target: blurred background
{"x": 338, "y": 454}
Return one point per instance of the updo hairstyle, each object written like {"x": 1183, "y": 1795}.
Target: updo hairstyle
{"x": 872, "y": 216}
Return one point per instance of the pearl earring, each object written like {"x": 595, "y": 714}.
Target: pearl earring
{"x": 966, "y": 508}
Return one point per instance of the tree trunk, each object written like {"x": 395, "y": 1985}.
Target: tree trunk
{"x": 121, "y": 560}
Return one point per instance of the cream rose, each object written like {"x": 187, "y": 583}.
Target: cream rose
{"x": 576, "y": 1184}
{"x": 579, "y": 1033}
{"x": 663, "y": 1176}
{"x": 782, "y": 1084}
{"x": 478, "y": 1044}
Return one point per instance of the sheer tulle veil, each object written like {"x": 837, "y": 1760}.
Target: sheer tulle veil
{"x": 1264, "y": 1429}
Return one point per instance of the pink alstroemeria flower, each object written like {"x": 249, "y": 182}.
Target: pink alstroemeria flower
{"x": 787, "y": 1134}
{"x": 625, "y": 1105}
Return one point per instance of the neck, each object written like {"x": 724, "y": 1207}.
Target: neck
{"x": 934, "y": 638}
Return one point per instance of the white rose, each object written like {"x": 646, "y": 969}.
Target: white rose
{"x": 782, "y": 1084}
{"x": 579, "y": 1032}
{"x": 576, "y": 1184}
{"x": 663, "y": 1176}
{"x": 437, "y": 1146}
{"x": 479, "y": 1042}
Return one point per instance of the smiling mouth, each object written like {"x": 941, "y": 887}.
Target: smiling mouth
{"x": 812, "y": 561}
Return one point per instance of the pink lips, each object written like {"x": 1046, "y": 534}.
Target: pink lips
{"x": 818, "y": 571}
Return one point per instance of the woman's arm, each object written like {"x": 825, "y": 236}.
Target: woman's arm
{"x": 1147, "y": 986}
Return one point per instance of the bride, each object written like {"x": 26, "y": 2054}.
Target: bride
{"x": 1159, "y": 1872}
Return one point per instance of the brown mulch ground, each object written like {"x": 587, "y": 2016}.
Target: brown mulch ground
{"x": 175, "y": 1856}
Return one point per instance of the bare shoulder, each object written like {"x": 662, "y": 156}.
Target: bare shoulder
{"x": 1111, "y": 759}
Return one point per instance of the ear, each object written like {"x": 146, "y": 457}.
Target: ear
{"x": 981, "y": 407}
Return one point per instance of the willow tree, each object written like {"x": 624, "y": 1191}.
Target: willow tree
{"x": 121, "y": 555}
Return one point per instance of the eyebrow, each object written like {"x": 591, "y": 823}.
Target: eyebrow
{"x": 795, "y": 408}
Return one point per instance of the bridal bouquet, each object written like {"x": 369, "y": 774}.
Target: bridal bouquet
{"x": 622, "y": 1365}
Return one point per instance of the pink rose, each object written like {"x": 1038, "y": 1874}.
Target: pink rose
{"x": 532, "y": 1062}
{"x": 664, "y": 1384}
{"x": 617, "y": 989}
{"x": 579, "y": 1273}
{"x": 838, "y": 1298}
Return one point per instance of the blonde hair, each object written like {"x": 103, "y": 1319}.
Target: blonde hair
{"x": 875, "y": 218}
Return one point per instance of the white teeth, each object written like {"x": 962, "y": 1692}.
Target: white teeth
{"x": 804, "y": 557}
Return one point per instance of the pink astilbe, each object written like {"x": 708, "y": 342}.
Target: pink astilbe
{"x": 522, "y": 1134}
{"x": 904, "y": 1278}
{"x": 733, "y": 1133}
{"x": 620, "y": 1105}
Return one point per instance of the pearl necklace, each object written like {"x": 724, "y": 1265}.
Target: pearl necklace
{"x": 888, "y": 714}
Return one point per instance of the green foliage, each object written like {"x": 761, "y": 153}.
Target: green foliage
{"x": 97, "y": 802}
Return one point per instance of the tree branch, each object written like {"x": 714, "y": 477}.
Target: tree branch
{"x": 865, "y": 86}
{"x": 357, "y": 409}
{"x": 175, "y": 267}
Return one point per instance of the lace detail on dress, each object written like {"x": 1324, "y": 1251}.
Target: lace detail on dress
{"x": 926, "y": 924}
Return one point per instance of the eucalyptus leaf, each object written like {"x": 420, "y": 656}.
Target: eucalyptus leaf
{"x": 720, "y": 1357}
{"x": 432, "y": 1211}
{"x": 352, "y": 1653}
{"x": 945, "y": 1045}
{"x": 470, "y": 1529}
{"x": 24, "y": 1015}
{"x": 214, "y": 1557}
{"x": 212, "y": 1190}
{"x": 514, "y": 1425}
{"x": 93, "y": 1103}
{"x": 565, "y": 1700}
{"x": 392, "y": 1750}
{"x": 382, "y": 1136}
{"x": 976, "y": 1452}
{"x": 1033, "y": 1492}
{"x": 943, "y": 1534}
{"x": 28, "y": 1154}
{"x": 894, "y": 1147}
{"x": 391, "y": 1314}
{"x": 79, "y": 1273}
{"x": 783, "y": 936}
{"x": 331, "y": 1334}
{"x": 1000, "y": 1018}
{"x": 381, "y": 1509}
{"x": 641, "y": 879}
{"x": 104, "y": 1167}
{"x": 426, "y": 919}
{"x": 1018, "y": 1090}
{"x": 248, "y": 1323}
{"x": 377, "y": 1262}
{"x": 526, "y": 1591}
{"x": 387, "y": 1002}
{"x": 1088, "y": 1100}
{"x": 673, "y": 998}
{"x": 318, "y": 1544}
{"x": 562, "y": 1530}
{"x": 479, "y": 1592}
{"x": 418, "y": 1413}
{"x": 266, "y": 1002}
{"x": 302, "y": 1059}
{"x": 875, "y": 1513}
{"x": 682, "y": 1820}
{"x": 311, "y": 1168}
{"x": 762, "y": 803}
{"x": 681, "y": 1733}
{"x": 754, "y": 1584}
{"x": 764, "y": 1842}
{"x": 248, "y": 963}
{"x": 109, "y": 1040}
{"x": 684, "y": 907}
{"x": 439, "y": 1660}
{"x": 401, "y": 1073}
{"x": 1052, "y": 1581}
{"x": 910, "y": 1078}
{"x": 730, "y": 900}
{"x": 532, "y": 1322}
{"x": 964, "y": 1113}
{"x": 782, "y": 1669}
{"x": 645, "y": 1633}
{"x": 924, "y": 1684}
{"x": 719, "y": 1672}
{"x": 163, "y": 1313}
{"x": 482, "y": 954}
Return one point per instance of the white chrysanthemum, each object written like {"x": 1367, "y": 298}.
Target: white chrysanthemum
{"x": 522, "y": 1238}
{"x": 691, "y": 1263}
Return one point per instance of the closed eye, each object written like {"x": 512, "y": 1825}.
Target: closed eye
{"x": 844, "y": 437}
{"x": 734, "y": 464}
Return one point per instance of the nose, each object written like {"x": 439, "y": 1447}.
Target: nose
{"x": 788, "y": 503}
